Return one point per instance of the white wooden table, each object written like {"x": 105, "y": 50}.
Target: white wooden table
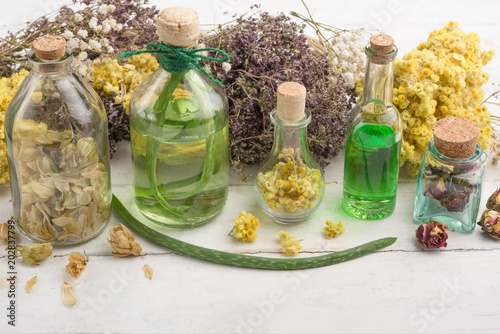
{"x": 402, "y": 288}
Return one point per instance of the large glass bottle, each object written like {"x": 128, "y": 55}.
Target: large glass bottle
{"x": 371, "y": 166}
{"x": 290, "y": 186}
{"x": 57, "y": 143}
{"x": 179, "y": 136}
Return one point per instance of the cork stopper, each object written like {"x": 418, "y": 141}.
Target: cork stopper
{"x": 49, "y": 47}
{"x": 455, "y": 137}
{"x": 291, "y": 101}
{"x": 381, "y": 45}
{"x": 178, "y": 26}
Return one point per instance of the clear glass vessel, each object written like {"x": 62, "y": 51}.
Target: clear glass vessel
{"x": 180, "y": 154}
{"x": 373, "y": 143}
{"x": 290, "y": 185}
{"x": 57, "y": 142}
{"x": 449, "y": 190}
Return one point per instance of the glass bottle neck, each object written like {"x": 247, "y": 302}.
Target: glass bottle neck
{"x": 378, "y": 83}
{"x": 60, "y": 66}
{"x": 290, "y": 134}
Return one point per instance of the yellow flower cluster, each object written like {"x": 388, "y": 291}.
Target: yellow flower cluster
{"x": 121, "y": 80}
{"x": 290, "y": 186}
{"x": 289, "y": 245}
{"x": 8, "y": 87}
{"x": 332, "y": 230}
{"x": 442, "y": 77}
{"x": 245, "y": 227}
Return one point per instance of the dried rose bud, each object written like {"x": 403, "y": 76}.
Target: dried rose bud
{"x": 36, "y": 253}
{"x": 435, "y": 188}
{"x": 76, "y": 265}
{"x": 4, "y": 232}
{"x": 123, "y": 242}
{"x": 490, "y": 223}
{"x": 455, "y": 202}
{"x": 432, "y": 234}
{"x": 494, "y": 201}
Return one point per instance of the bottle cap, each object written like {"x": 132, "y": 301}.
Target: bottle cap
{"x": 291, "y": 101}
{"x": 381, "y": 45}
{"x": 178, "y": 26}
{"x": 49, "y": 47}
{"x": 455, "y": 137}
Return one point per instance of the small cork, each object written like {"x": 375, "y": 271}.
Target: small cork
{"x": 291, "y": 101}
{"x": 381, "y": 43}
{"x": 49, "y": 47}
{"x": 178, "y": 26}
{"x": 455, "y": 137}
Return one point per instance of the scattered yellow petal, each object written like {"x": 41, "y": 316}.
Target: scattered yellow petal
{"x": 4, "y": 232}
{"x": 289, "y": 245}
{"x": 148, "y": 271}
{"x": 69, "y": 296}
{"x": 31, "y": 284}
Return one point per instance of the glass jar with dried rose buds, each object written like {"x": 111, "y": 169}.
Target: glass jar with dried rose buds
{"x": 57, "y": 142}
{"x": 451, "y": 175}
{"x": 290, "y": 185}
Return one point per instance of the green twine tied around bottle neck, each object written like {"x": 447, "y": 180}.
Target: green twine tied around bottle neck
{"x": 174, "y": 59}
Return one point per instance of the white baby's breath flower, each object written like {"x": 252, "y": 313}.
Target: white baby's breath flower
{"x": 111, "y": 8}
{"x": 83, "y": 45}
{"x": 78, "y": 17}
{"x": 226, "y": 67}
{"x": 110, "y": 49}
{"x": 106, "y": 28}
{"x": 93, "y": 23}
{"x": 73, "y": 43}
{"x": 95, "y": 45}
{"x": 103, "y": 9}
{"x": 119, "y": 27}
{"x": 82, "y": 33}
{"x": 149, "y": 21}
{"x": 67, "y": 34}
{"x": 98, "y": 28}
{"x": 82, "y": 56}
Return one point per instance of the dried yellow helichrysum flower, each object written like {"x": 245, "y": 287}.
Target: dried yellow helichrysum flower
{"x": 289, "y": 245}
{"x": 332, "y": 230}
{"x": 30, "y": 284}
{"x": 245, "y": 227}
{"x": 69, "y": 296}
{"x": 123, "y": 242}
{"x": 76, "y": 264}
{"x": 35, "y": 253}
{"x": 4, "y": 232}
{"x": 148, "y": 271}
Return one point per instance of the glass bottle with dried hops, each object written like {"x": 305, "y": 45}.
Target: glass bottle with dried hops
{"x": 57, "y": 142}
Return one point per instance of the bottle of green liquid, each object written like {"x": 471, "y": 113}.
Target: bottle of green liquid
{"x": 371, "y": 165}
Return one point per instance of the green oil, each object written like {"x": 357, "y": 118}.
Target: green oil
{"x": 371, "y": 170}
{"x": 179, "y": 172}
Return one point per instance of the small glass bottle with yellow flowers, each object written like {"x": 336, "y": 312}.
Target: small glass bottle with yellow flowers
{"x": 290, "y": 185}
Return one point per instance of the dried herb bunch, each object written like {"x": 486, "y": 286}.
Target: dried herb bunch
{"x": 91, "y": 27}
{"x": 265, "y": 51}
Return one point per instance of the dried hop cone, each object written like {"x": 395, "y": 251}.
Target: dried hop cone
{"x": 494, "y": 201}
{"x": 76, "y": 265}
{"x": 490, "y": 223}
{"x": 35, "y": 253}
{"x": 432, "y": 234}
{"x": 123, "y": 242}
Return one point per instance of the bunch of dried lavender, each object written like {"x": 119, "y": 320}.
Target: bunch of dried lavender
{"x": 265, "y": 51}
